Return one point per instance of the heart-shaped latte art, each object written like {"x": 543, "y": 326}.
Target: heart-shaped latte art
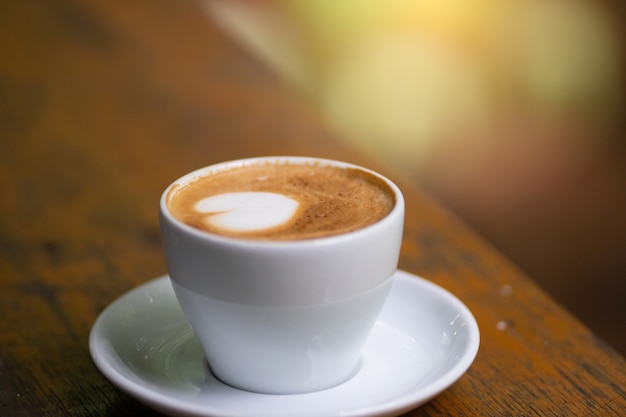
{"x": 247, "y": 211}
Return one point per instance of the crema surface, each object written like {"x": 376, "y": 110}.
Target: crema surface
{"x": 282, "y": 201}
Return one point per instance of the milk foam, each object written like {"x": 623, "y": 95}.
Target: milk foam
{"x": 247, "y": 211}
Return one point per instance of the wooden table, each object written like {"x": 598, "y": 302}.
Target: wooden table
{"x": 102, "y": 105}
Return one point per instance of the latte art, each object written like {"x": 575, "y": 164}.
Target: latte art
{"x": 282, "y": 201}
{"x": 247, "y": 211}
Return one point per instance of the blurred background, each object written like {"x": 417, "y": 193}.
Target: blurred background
{"x": 510, "y": 113}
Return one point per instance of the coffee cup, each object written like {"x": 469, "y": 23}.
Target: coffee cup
{"x": 282, "y": 265}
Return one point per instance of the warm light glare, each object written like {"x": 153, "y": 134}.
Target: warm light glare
{"x": 403, "y": 77}
{"x": 447, "y": 86}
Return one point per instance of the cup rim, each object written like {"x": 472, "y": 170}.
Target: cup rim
{"x": 397, "y": 210}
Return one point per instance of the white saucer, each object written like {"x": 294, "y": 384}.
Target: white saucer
{"x": 424, "y": 340}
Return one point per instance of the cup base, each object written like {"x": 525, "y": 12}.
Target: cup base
{"x": 264, "y": 391}
{"x": 283, "y": 350}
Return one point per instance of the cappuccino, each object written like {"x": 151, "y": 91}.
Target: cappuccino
{"x": 282, "y": 201}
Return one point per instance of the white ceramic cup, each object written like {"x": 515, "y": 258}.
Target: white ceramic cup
{"x": 282, "y": 317}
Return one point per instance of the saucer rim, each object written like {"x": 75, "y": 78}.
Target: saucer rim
{"x": 170, "y": 404}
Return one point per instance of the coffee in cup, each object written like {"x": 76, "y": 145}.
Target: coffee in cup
{"x": 282, "y": 200}
{"x": 282, "y": 293}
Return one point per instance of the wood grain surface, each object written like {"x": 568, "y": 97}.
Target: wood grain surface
{"x": 103, "y": 104}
